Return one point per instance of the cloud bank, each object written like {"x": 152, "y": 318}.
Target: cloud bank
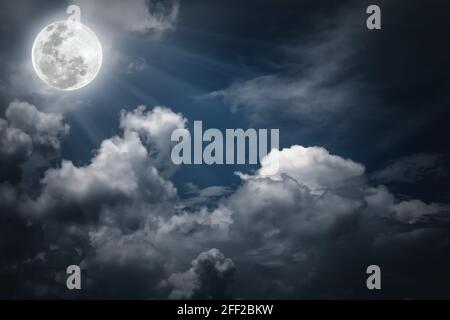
{"x": 308, "y": 232}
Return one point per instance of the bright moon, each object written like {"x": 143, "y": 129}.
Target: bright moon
{"x": 67, "y": 55}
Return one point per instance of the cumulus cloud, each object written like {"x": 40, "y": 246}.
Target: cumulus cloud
{"x": 209, "y": 277}
{"x": 155, "y": 127}
{"x": 289, "y": 211}
{"x": 14, "y": 143}
{"x": 115, "y": 252}
{"x": 45, "y": 129}
{"x": 99, "y": 214}
{"x": 122, "y": 169}
{"x": 313, "y": 167}
{"x": 284, "y": 227}
{"x": 300, "y": 233}
{"x": 26, "y": 130}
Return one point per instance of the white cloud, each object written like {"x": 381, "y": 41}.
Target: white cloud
{"x": 45, "y": 129}
{"x": 208, "y": 277}
{"x": 119, "y": 214}
{"x": 28, "y": 133}
{"x": 217, "y": 220}
{"x": 14, "y": 143}
{"x": 286, "y": 212}
{"x": 122, "y": 168}
{"x": 313, "y": 167}
{"x": 383, "y": 203}
{"x": 114, "y": 247}
{"x": 155, "y": 127}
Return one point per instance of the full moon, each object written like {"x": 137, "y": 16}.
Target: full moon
{"x": 67, "y": 55}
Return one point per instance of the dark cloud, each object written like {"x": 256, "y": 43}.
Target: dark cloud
{"x": 317, "y": 82}
{"x": 367, "y": 93}
{"x": 413, "y": 168}
{"x": 45, "y": 129}
{"x": 133, "y": 236}
{"x": 209, "y": 277}
{"x": 24, "y": 131}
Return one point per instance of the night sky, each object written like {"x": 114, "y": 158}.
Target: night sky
{"x": 86, "y": 176}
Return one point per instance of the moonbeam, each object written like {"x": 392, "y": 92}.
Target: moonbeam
{"x": 235, "y": 146}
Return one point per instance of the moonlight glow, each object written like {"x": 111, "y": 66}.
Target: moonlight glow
{"x": 67, "y": 55}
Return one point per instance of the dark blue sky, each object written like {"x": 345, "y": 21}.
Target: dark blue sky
{"x": 396, "y": 77}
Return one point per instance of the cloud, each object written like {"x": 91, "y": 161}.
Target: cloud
{"x": 209, "y": 277}
{"x": 314, "y": 83}
{"x": 283, "y": 227}
{"x": 14, "y": 143}
{"x": 137, "y": 65}
{"x": 155, "y": 127}
{"x": 207, "y": 196}
{"x": 102, "y": 211}
{"x": 115, "y": 252}
{"x": 286, "y": 210}
{"x": 412, "y": 211}
{"x": 308, "y": 232}
{"x": 121, "y": 169}
{"x": 412, "y": 168}
{"x": 199, "y": 223}
{"x": 285, "y": 236}
{"x": 139, "y": 16}
{"x": 381, "y": 200}
{"x": 45, "y": 129}
{"x": 27, "y": 131}
{"x": 313, "y": 167}
{"x": 298, "y": 98}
